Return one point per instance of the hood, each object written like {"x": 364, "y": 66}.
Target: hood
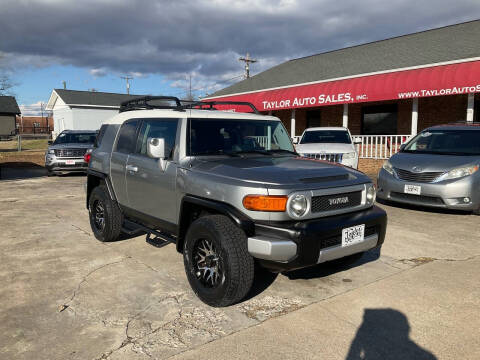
{"x": 275, "y": 172}
{"x": 324, "y": 148}
{"x": 70, "y": 146}
{"x": 431, "y": 162}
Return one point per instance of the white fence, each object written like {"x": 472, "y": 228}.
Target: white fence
{"x": 379, "y": 146}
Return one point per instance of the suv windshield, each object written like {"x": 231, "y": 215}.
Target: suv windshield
{"x": 231, "y": 136}
{"x": 326, "y": 136}
{"x": 445, "y": 142}
{"x": 77, "y": 138}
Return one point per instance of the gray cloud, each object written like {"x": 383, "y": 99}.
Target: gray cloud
{"x": 203, "y": 37}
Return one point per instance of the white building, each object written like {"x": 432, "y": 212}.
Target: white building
{"x": 83, "y": 110}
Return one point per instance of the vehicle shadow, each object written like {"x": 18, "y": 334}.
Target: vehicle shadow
{"x": 385, "y": 334}
{"x": 21, "y": 171}
{"x": 332, "y": 267}
{"x": 262, "y": 280}
{"x": 421, "y": 208}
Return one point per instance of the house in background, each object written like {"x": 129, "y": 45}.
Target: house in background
{"x": 83, "y": 110}
{"x": 8, "y": 111}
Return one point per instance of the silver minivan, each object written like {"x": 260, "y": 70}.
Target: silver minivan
{"x": 438, "y": 168}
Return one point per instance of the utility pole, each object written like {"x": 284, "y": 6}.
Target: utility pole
{"x": 127, "y": 78}
{"x": 247, "y": 61}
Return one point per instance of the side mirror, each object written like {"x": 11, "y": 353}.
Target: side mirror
{"x": 357, "y": 140}
{"x": 50, "y": 142}
{"x": 295, "y": 140}
{"x": 156, "y": 148}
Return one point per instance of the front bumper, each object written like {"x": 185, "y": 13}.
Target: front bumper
{"x": 449, "y": 194}
{"x": 282, "y": 246}
{"x": 55, "y": 164}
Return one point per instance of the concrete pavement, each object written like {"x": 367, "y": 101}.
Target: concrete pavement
{"x": 65, "y": 295}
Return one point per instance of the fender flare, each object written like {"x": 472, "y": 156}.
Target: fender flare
{"x": 241, "y": 220}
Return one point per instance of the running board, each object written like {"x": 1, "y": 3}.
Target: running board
{"x": 154, "y": 237}
{"x": 159, "y": 240}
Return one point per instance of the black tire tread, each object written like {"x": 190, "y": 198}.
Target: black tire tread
{"x": 113, "y": 226}
{"x": 234, "y": 241}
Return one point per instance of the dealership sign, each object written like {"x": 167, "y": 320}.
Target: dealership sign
{"x": 459, "y": 78}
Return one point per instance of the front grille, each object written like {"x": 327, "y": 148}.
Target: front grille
{"x": 425, "y": 177}
{"x": 70, "y": 153}
{"x": 337, "y": 239}
{"x": 336, "y": 158}
{"x": 336, "y": 201}
{"x": 418, "y": 199}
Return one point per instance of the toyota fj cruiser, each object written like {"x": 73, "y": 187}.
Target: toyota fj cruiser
{"x": 229, "y": 190}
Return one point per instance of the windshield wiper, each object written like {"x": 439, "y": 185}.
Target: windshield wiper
{"x": 283, "y": 150}
{"x": 263, "y": 152}
{"x": 216, "y": 152}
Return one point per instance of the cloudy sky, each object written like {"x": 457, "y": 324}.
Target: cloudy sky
{"x": 91, "y": 43}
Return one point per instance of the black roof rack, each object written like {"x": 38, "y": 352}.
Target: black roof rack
{"x": 145, "y": 102}
{"x": 212, "y": 103}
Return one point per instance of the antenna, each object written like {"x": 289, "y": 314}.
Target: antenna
{"x": 127, "y": 78}
{"x": 64, "y": 85}
{"x": 247, "y": 61}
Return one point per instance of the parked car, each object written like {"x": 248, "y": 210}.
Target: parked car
{"x": 201, "y": 179}
{"x": 332, "y": 144}
{"x": 66, "y": 153}
{"x": 438, "y": 168}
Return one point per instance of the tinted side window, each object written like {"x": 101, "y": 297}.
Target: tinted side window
{"x": 100, "y": 135}
{"x": 126, "y": 137}
{"x": 157, "y": 128}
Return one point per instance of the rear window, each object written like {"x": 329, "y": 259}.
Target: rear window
{"x": 127, "y": 137}
{"x": 101, "y": 133}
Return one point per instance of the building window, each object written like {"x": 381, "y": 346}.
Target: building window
{"x": 379, "y": 120}
{"x": 314, "y": 118}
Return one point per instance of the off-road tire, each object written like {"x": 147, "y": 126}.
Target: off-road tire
{"x": 476, "y": 212}
{"x": 113, "y": 217}
{"x": 237, "y": 264}
{"x": 50, "y": 173}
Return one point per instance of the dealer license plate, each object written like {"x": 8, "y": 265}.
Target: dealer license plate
{"x": 70, "y": 162}
{"x": 353, "y": 235}
{"x": 412, "y": 189}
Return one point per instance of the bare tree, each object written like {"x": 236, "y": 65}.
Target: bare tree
{"x": 6, "y": 85}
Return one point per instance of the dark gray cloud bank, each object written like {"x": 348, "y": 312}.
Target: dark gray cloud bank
{"x": 177, "y": 37}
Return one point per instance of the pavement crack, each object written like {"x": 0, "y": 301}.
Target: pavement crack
{"x": 135, "y": 340}
{"x": 425, "y": 260}
{"x": 67, "y": 304}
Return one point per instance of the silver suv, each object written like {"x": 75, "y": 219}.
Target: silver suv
{"x": 229, "y": 190}
{"x": 66, "y": 153}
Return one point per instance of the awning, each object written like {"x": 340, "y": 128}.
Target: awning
{"x": 458, "y": 78}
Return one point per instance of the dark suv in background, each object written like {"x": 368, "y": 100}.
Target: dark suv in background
{"x": 66, "y": 153}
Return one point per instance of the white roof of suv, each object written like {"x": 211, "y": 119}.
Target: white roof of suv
{"x": 188, "y": 113}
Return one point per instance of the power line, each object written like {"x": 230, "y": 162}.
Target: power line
{"x": 247, "y": 61}
{"x": 127, "y": 78}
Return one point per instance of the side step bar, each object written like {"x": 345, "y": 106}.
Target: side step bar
{"x": 154, "y": 237}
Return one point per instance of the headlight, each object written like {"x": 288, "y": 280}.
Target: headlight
{"x": 350, "y": 155}
{"x": 51, "y": 151}
{"x": 387, "y": 166}
{"x": 371, "y": 194}
{"x": 458, "y": 173}
{"x": 298, "y": 205}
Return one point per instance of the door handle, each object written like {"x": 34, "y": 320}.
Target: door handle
{"x": 131, "y": 168}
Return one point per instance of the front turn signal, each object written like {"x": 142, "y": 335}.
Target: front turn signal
{"x": 265, "y": 202}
